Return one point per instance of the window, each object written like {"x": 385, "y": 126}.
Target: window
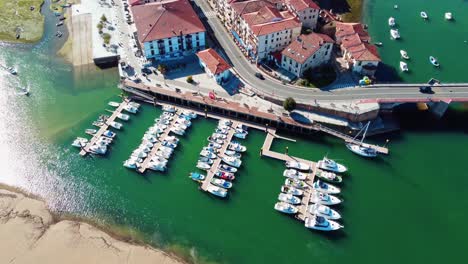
{"x": 326, "y": 53}
{"x": 152, "y": 52}
{"x": 305, "y": 65}
{"x": 313, "y": 57}
{"x": 310, "y": 17}
{"x": 170, "y": 42}
{"x": 297, "y": 64}
{"x": 171, "y": 49}
{"x": 277, "y": 33}
{"x": 277, "y": 39}
{"x": 284, "y": 58}
{"x": 266, "y": 41}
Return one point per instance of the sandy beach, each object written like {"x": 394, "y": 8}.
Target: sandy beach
{"x": 33, "y": 235}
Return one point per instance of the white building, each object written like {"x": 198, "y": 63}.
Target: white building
{"x": 307, "y": 51}
{"x": 306, "y": 10}
{"x": 214, "y": 65}
{"x": 162, "y": 33}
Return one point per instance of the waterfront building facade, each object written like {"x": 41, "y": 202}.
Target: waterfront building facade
{"x": 305, "y": 52}
{"x": 168, "y": 30}
{"x": 214, "y": 65}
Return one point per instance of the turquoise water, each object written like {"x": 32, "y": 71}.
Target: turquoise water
{"x": 445, "y": 40}
{"x": 408, "y": 207}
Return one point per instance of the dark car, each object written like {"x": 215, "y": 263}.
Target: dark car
{"x": 259, "y": 75}
{"x": 426, "y": 89}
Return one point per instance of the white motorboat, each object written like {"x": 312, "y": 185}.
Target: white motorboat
{"x": 98, "y": 149}
{"x": 203, "y": 165}
{"x": 434, "y": 61}
{"x": 331, "y": 165}
{"x": 222, "y": 130}
{"x": 291, "y": 190}
{"x": 236, "y": 146}
{"x": 294, "y": 174}
{"x": 139, "y": 154}
{"x": 167, "y": 115}
{"x": 218, "y": 136}
{"x": 184, "y": 121}
{"x": 115, "y": 125}
{"x": 323, "y": 210}
{"x": 218, "y": 191}
{"x": 137, "y": 105}
{"x": 12, "y": 70}
{"x": 394, "y": 33}
{"x": 286, "y": 208}
{"x": 325, "y": 187}
{"x": 80, "y": 142}
{"x": 109, "y": 134}
{"x": 197, "y": 176}
{"x": 91, "y": 131}
{"x": 297, "y": 165}
{"x": 114, "y": 104}
{"x": 206, "y": 160}
{"x": 448, "y": 16}
{"x": 146, "y": 144}
{"x": 123, "y": 117}
{"x": 233, "y": 153}
{"x": 155, "y": 130}
{"x": 240, "y": 135}
{"x": 328, "y": 176}
{"x": 104, "y": 140}
{"x": 169, "y": 144}
{"x": 323, "y": 198}
{"x": 296, "y": 183}
{"x": 163, "y": 154}
{"x": 225, "y": 122}
{"x": 166, "y": 149}
{"x": 404, "y": 54}
{"x": 207, "y": 154}
{"x": 130, "y": 163}
{"x": 150, "y": 138}
{"x": 172, "y": 139}
{"x": 424, "y": 15}
{"x": 157, "y": 166}
{"x": 189, "y": 113}
{"x": 178, "y": 131}
{"x": 210, "y": 149}
{"x": 214, "y": 145}
{"x": 232, "y": 161}
{"x": 181, "y": 126}
{"x": 321, "y": 223}
{"x": 169, "y": 108}
{"x": 395, "y": 6}
{"x": 289, "y": 198}
{"x": 131, "y": 109}
{"x": 227, "y": 168}
{"x": 403, "y": 66}
{"x": 161, "y": 159}
{"x": 162, "y": 121}
{"x": 144, "y": 149}
{"x": 391, "y": 21}
{"x": 221, "y": 183}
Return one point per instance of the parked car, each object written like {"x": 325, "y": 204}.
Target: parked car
{"x": 259, "y": 75}
{"x": 426, "y": 89}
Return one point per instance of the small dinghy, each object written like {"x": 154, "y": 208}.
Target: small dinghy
{"x": 403, "y": 66}
{"x": 404, "y": 54}
{"x": 391, "y": 21}
{"x": 434, "y": 61}
{"x": 395, "y": 33}
{"x": 448, "y": 16}
{"x": 113, "y": 104}
{"x": 424, "y": 15}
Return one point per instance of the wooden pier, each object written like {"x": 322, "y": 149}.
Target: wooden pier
{"x": 144, "y": 166}
{"x": 104, "y": 127}
{"x": 210, "y": 174}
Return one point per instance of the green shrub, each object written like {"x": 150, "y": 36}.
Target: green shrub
{"x": 289, "y": 104}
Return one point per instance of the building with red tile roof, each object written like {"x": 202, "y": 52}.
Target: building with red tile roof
{"x": 307, "y": 51}
{"x": 307, "y": 11}
{"x": 168, "y": 29}
{"x": 214, "y": 65}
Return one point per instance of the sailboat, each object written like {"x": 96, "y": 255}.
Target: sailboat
{"x": 359, "y": 148}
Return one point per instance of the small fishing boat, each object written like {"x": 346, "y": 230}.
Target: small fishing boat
{"x": 169, "y": 108}
{"x": 232, "y": 161}
{"x": 218, "y": 191}
{"x": 113, "y": 104}
{"x": 297, "y": 165}
{"x": 395, "y": 6}
{"x": 286, "y": 208}
{"x": 404, "y": 54}
{"x": 115, "y": 125}
{"x": 205, "y": 153}
{"x": 130, "y": 163}
{"x": 167, "y": 115}
{"x": 206, "y": 160}
{"x": 403, "y": 66}
{"x": 197, "y": 176}
{"x": 91, "y": 131}
{"x": 12, "y": 70}
{"x": 328, "y": 176}
{"x": 221, "y": 131}
{"x": 218, "y": 136}
{"x": 98, "y": 149}
{"x": 434, "y": 61}
{"x": 225, "y": 122}
{"x": 59, "y": 24}
{"x": 184, "y": 122}
{"x": 331, "y": 165}
{"x": 291, "y": 190}
{"x": 203, "y": 165}
{"x": 221, "y": 183}
{"x": 80, "y": 142}
{"x": 214, "y": 145}
{"x": 233, "y": 153}
{"x": 394, "y": 33}
{"x": 321, "y": 223}
{"x": 236, "y": 146}
{"x": 210, "y": 149}
{"x": 168, "y": 144}
{"x": 123, "y": 117}
{"x": 157, "y": 166}
{"x": 294, "y": 174}
{"x": 448, "y": 16}
{"x": 296, "y": 183}
{"x": 59, "y": 34}
{"x": 215, "y": 140}
{"x": 325, "y": 187}
{"x": 131, "y": 109}
{"x": 240, "y": 135}
{"x": 325, "y": 211}
{"x": 189, "y": 113}
{"x": 225, "y": 175}
{"x": 177, "y": 130}
{"x": 289, "y": 198}
{"x": 378, "y": 43}
{"x": 109, "y": 134}
{"x": 227, "y": 168}
{"x": 98, "y": 123}
{"x": 323, "y": 198}
{"x": 424, "y": 15}
{"x": 391, "y": 21}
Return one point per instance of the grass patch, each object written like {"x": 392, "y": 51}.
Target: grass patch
{"x": 355, "y": 13}
{"x": 318, "y": 77}
{"x": 17, "y": 18}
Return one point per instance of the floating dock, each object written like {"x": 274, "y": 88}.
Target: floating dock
{"x": 144, "y": 165}
{"x": 210, "y": 174}
{"x": 104, "y": 127}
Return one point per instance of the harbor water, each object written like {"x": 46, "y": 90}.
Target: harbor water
{"x": 408, "y": 207}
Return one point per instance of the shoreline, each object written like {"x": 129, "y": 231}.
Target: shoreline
{"x": 45, "y": 234}
{"x": 38, "y": 25}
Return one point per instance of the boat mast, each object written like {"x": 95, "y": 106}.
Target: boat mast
{"x": 365, "y": 132}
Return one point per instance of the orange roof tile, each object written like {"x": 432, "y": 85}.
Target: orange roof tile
{"x": 300, "y": 5}
{"x": 305, "y": 46}
{"x": 215, "y": 63}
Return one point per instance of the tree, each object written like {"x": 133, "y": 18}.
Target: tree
{"x": 103, "y": 18}
{"x": 163, "y": 69}
{"x": 100, "y": 26}
{"x": 106, "y": 37}
{"x": 190, "y": 79}
{"x": 289, "y": 104}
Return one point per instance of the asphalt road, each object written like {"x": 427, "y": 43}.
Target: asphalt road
{"x": 246, "y": 70}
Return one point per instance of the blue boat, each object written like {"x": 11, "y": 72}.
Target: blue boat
{"x": 197, "y": 176}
